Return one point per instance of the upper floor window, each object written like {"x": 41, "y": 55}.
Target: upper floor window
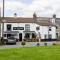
{"x": 27, "y": 27}
{"x": 8, "y": 26}
{"x": 49, "y": 28}
{"x": 37, "y": 28}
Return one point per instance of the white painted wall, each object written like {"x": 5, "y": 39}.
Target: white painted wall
{"x": 43, "y": 29}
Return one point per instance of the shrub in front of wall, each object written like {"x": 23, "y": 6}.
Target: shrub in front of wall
{"x": 1, "y": 41}
{"x": 54, "y": 43}
{"x": 23, "y": 43}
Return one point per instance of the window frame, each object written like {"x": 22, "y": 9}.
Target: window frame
{"x": 50, "y": 29}
{"x": 50, "y": 36}
{"x": 9, "y": 29}
{"x": 45, "y": 36}
{"x": 37, "y": 28}
{"x": 27, "y": 27}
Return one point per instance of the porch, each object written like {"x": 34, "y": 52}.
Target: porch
{"x": 31, "y": 36}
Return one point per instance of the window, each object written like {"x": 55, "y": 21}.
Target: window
{"x": 56, "y": 27}
{"x": 57, "y": 35}
{"x": 49, "y": 28}
{"x": 45, "y": 36}
{"x": 8, "y": 26}
{"x": 8, "y": 35}
{"x": 37, "y": 28}
{"x": 27, "y": 27}
{"x": 27, "y": 35}
{"x": 33, "y": 35}
{"x": 5, "y": 35}
{"x": 50, "y": 36}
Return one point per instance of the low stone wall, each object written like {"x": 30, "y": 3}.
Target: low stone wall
{"x": 31, "y": 44}
{"x": 57, "y": 42}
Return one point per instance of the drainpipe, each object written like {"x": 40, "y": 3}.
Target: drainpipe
{"x": 3, "y": 7}
{"x": 39, "y": 37}
{"x": 0, "y": 23}
{"x": 48, "y": 32}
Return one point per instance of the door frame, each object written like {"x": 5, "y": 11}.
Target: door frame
{"x": 20, "y": 36}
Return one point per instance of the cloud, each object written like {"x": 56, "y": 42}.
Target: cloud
{"x": 41, "y": 7}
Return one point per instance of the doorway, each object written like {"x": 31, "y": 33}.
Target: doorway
{"x": 20, "y": 36}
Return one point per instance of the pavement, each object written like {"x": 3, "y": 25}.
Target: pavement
{"x": 28, "y": 44}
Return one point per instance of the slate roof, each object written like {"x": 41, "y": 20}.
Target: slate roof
{"x": 41, "y": 21}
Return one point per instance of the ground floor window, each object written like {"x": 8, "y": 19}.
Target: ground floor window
{"x": 50, "y": 36}
{"x": 27, "y": 35}
{"x": 57, "y": 35}
{"x": 5, "y": 35}
{"x": 8, "y": 35}
{"x": 45, "y": 36}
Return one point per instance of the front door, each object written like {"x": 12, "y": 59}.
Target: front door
{"x": 20, "y": 37}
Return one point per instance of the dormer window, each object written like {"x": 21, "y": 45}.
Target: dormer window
{"x": 49, "y": 28}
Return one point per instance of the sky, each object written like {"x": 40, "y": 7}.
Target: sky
{"x": 26, "y": 8}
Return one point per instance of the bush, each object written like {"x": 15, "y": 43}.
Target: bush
{"x": 23, "y": 43}
{"x": 54, "y": 43}
{"x": 2, "y": 41}
{"x": 38, "y": 44}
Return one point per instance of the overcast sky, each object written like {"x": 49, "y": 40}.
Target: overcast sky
{"x": 26, "y": 8}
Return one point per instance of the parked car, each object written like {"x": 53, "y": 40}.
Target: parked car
{"x": 11, "y": 40}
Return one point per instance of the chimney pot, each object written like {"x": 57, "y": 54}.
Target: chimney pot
{"x": 15, "y": 14}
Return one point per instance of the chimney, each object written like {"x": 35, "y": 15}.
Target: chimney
{"x": 15, "y": 15}
{"x": 34, "y": 17}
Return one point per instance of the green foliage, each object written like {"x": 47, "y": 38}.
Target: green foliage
{"x": 54, "y": 44}
{"x": 45, "y": 44}
{"x": 23, "y": 43}
{"x": 33, "y": 53}
{"x": 1, "y": 41}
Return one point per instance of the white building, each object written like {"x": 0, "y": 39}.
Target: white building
{"x": 29, "y": 29}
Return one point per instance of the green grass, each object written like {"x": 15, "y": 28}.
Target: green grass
{"x": 33, "y": 53}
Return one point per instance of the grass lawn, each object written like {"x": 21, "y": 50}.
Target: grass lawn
{"x": 33, "y": 53}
